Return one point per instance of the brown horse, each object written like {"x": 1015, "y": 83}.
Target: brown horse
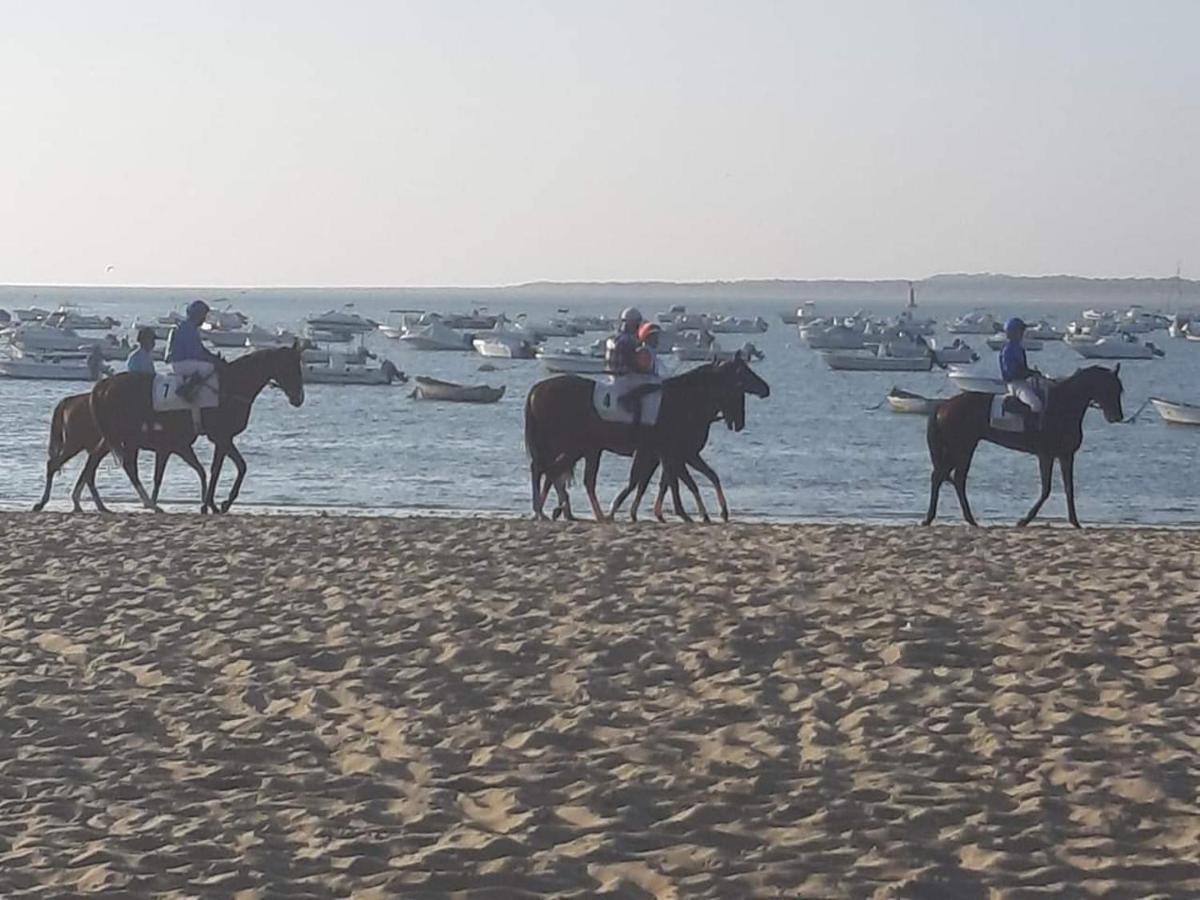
{"x": 73, "y": 430}
{"x": 955, "y": 430}
{"x": 562, "y": 427}
{"x": 123, "y": 412}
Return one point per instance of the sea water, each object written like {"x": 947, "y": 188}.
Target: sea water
{"x": 825, "y": 446}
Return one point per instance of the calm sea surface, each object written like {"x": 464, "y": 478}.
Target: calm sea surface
{"x": 822, "y": 447}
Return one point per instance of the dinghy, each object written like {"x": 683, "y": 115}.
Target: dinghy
{"x": 1176, "y": 413}
{"x": 433, "y": 389}
{"x": 902, "y": 401}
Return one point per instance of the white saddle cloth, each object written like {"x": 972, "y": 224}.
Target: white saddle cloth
{"x": 1002, "y": 420}
{"x": 167, "y": 399}
{"x": 609, "y": 388}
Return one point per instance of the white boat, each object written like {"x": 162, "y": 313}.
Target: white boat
{"x": 734, "y": 325}
{"x": 1043, "y": 331}
{"x": 907, "y": 402}
{"x": 1117, "y": 347}
{"x": 974, "y": 381}
{"x": 573, "y": 360}
{"x": 30, "y": 314}
{"x": 559, "y": 326}
{"x": 226, "y": 328}
{"x": 959, "y": 351}
{"x": 338, "y": 326}
{"x": 37, "y": 338}
{"x": 48, "y": 366}
{"x": 1176, "y": 413}
{"x": 833, "y": 337}
{"x": 433, "y": 389}
{"x": 71, "y": 318}
{"x": 348, "y": 369}
{"x": 883, "y": 360}
{"x": 504, "y": 346}
{"x": 974, "y": 323}
{"x": 677, "y": 318}
{"x": 1030, "y": 344}
{"x": 261, "y": 339}
{"x": 430, "y": 334}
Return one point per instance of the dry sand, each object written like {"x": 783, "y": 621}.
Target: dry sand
{"x": 324, "y": 706}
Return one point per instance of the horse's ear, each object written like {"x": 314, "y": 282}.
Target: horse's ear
{"x": 1117, "y": 370}
{"x": 737, "y": 357}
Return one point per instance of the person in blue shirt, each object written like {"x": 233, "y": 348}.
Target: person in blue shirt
{"x": 142, "y": 359}
{"x": 1021, "y": 381}
{"x": 187, "y": 354}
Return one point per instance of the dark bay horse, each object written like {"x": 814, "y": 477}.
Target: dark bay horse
{"x": 123, "y": 411}
{"x": 955, "y": 430}
{"x": 73, "y": 430}
{"x": 646, "y": 462}
{"x": 562, "y": 427}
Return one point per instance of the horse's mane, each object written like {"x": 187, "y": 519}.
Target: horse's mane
{"x": 246, "y": 359}
{"x": 698, "y": 374}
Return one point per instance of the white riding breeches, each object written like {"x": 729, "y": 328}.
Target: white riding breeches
{"x": 192, "y": 367}
{"x": 1028, "y": 394}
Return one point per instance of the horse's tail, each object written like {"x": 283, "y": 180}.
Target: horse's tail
{"x": 58, "y": 429}
{"x": 539, "y": 455}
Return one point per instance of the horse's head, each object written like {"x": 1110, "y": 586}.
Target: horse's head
{"x": 287, "y": 373}
{"x": 1108, "y": 392}
{"x": 739, "y": 374}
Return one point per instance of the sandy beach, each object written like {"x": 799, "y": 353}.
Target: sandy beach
{"x": 322, "y": 706}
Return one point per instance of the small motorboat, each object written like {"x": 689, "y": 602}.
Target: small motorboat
{"x": 1043, "y": 331}
{"x": 572, "y": 360}
{"x": 958, "y": 351}
{"x": 433, "y": 389}
{"x": 975, "y": 382}
{"x": 338, "y": 326}
{"x": 1031, "y": 344}
{"x": 902, "y": 401}
{"x": 504, "y": 345}
{"x": 974, "y": 323}
{"x": 1175, "y": 413}
{"x": 833, "y": 337}
{"x": 429, "y": 333}
{"x": 348, "y": 369}
{"x": 70, "y": 318}
{"x": 882, "y": 360}
{"x": 735, "y": 325}
{"x": 1123, "y": 346}
{"x": 50, "y": 365}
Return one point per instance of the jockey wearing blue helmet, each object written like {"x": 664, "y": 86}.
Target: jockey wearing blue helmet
{"x": 1020, "y": 380}
{"x": 188, "y": 356}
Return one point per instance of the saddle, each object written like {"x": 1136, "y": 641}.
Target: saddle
{"x": 202, "y": 393}
{"x": 611, "y": 390}
{"x": 1008, "y": 413}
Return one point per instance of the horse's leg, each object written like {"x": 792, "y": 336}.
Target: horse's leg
{"x": 188, "y": 455}
{"x": 591, "y": 469}
{"x": 129, "y": 462}
{"x": 218, "y": 458}
{"x": 1046, "y": 467}
{"x": 697, "y": 463}
{"x": 564, "y": 498}
{"x": 240, "y": 462}
{"x": 88, "y": 477}
{"x": 671, "y": 479}
{"x": 160, "y": 468}
{"x": 936, "y": 480}
{"x": 961, "y": 468}
{"x": 643, "y": 484}
{"x": 690, "y": 484}
{"x": 537, "y": 494}
{"x": 1067, "y": 464}
{"x": 641, "y": 460}
{"x": 53, "y": 465}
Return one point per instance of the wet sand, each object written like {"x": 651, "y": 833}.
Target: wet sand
{"x": 381, "y": 707}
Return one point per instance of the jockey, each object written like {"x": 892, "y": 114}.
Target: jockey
{"x": 186, "y": 351}
{"x": 645, "y": 358}
{"x": 645, "y": 363}
{"x": 1021, "y": 381}
{"x": 619, "y": 350}
{"x": 142, "y": 359}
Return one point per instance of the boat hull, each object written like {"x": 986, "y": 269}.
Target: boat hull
{"x": 849, "y": 363}
{"x": 1176, "y": 413}
{"x": 574, "y": 364}
{"x": 432, "y": 389}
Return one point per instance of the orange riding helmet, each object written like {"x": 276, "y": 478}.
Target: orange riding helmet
{"x": 648, "y": 329}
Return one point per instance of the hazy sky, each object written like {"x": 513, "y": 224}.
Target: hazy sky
{"x": 500, "y": 141}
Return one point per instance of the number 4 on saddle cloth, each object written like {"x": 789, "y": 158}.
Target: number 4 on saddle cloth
{"x": 611, "y": 388}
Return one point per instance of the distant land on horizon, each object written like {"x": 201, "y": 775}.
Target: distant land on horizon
{"x": 961, "y": 289}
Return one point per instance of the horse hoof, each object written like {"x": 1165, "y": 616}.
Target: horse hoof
{"x": 707, "y": 520}
{"x": 225, "y": 506}
{"x": 37, "y": 507}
